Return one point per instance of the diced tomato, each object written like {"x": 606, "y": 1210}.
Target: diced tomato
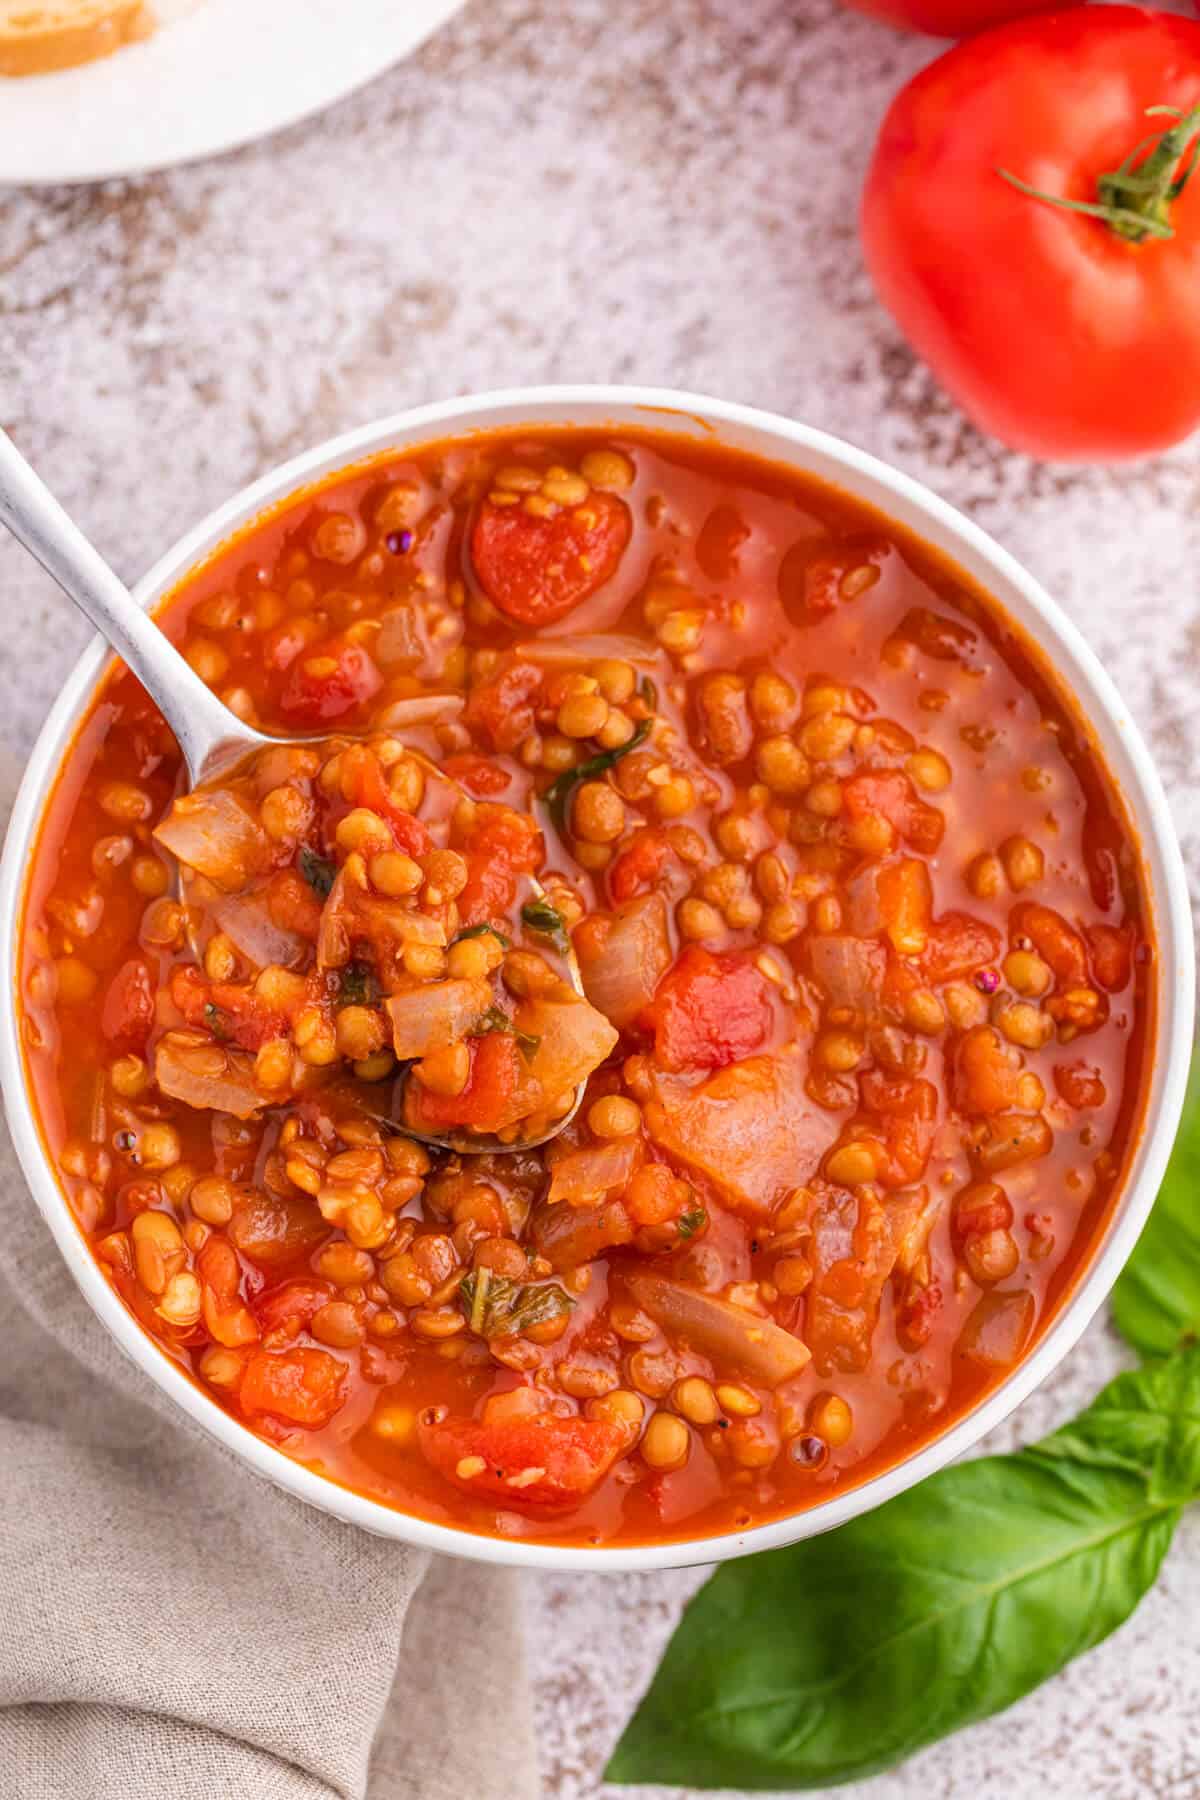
{"x": 480, "y": 777}
{"x": 852, "y": 1255}
{"x": 916, "y": 1312}
{"x": 1080, "y": 1084}
{"x": 889, "y": 794}
{"x": 907, "y": 1110}
{"x": 536, "y": 570}
{"x": 496, "y": 1073}
{"x": 190, "y": 993}
{"x": 127, "y": 1016}
{"x": 1112, "y": 955}
{"x": 985, "y": 1074}
{"x": 292, "y": 904}
{"x": 329, "y": 680}
{"x": 639, "y": 865}
{"x": 294, "y": 1302}
{"x": 365, "y": 782}
{"x": 502, "y": 706}
{"x": 958, "y": 945}
{"x": 710, "y": 1011}
{"x": 810, "y": 577}
{"x": 504, "y": 845}
{"x": 302, "y": 1385}
{"x": 541, "y": 1461}
{"x": 1055, "y": 941}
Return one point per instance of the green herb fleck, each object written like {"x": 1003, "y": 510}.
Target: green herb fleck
{"x": 475, "y": 931}
{"x": 318, "y": 871}
{"x": 358, "y": 986}
{"x": 496, "y": 1019}
{"x": 648, "y": 693}
{"x": 689, "y": 1223}
{"x": 218, "y": 1022}
{"x": 494, "y": 1306}
{"x": 557, "y": 796}
{"x": 542, "y": 917}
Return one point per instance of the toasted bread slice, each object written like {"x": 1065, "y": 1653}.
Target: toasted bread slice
{"x": 39, "y": 35}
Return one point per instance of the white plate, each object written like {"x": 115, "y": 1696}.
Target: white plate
{"x": 226, "y": 72}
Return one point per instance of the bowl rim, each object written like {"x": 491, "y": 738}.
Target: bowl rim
{"x": 919, "y": 509}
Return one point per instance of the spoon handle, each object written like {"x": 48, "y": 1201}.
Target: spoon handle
{"x": 200, "y": 722}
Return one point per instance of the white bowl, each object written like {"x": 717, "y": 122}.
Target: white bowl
{"x": 900, "y": 498}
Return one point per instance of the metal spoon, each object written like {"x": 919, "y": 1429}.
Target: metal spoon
{"x": 210, "y": 737}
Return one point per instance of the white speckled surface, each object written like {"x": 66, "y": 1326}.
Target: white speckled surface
{"x": 657, "y": 190}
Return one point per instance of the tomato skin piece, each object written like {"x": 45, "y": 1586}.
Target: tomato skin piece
{"x": 952, "y": 18}
{"x": 1052, "y": 332}
{"x": 709, "y": 1011}
{"x": 537, "y": 570}
{"x": 504, "y": 846}
{"x": 484, "y": 1102}
{"x": 292, "y": 1302}
{"x": 639, "y": 865}
{"x": 302, "y": 1386}
{"x": 370, "y": 789}
{"x": 316, "y": 697}
{"x": 127, "y": 1016}
{"x": 573, "y": 1455}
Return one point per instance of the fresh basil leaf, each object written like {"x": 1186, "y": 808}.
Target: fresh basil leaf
{"x": 1156, "y": 1301}
{"x": 689, "y": 1223}
{"x": 495, "y": 1306}
{"x": 318, "y": 871}
{"x": 835, "y": 1659}
{"x": 558, "y": 795}
{"x": 474, "y": 931}
{"x": 358, "y": 986}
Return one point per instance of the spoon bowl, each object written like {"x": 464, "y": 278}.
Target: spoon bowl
{"x": 213, "y": 741}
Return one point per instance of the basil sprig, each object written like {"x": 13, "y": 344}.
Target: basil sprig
{"x": 1156, "y": 1302}
{"x": 835, "y": 1659}
{"x": 557, "y": 796}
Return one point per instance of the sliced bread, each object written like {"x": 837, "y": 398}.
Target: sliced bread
{"x": 56, "y": 34}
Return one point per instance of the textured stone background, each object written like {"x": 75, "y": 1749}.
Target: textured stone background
{"x": 653, "y": 190}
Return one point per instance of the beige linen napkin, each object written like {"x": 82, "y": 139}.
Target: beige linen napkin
{"x": 172, "y": 1625}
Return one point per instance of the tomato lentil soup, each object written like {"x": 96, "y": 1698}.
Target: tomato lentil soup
{"x": 850, "y": 1075}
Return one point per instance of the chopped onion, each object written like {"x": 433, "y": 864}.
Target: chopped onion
{"x": 727, "y": 1333}
{"x": 602, "y": 645}
{"x": 431, "y": 1017}
{"x": 202, "y": 1073}
{"x": 998, "y": 1329}
{"x": 850, "y": 969}
{"x": 425, "y": 709}
{"x": 587, "y": 1174}
{"x": 210, "y": 830}
{"x": 570, "y": 1235}
{"x": 573, "y": 1039}
{"x": 246, "y": 920}
{"x": 621, "y": 975}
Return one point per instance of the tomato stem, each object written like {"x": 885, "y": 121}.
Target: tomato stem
{"x": 1135, "y": 200}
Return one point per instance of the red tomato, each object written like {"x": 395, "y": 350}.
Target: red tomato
{"x": 639, "y": 865}
{"x": 295, "y": 1301}
{"x": 505, "y": 845}
{"x": 329, "y": 680}
{"x": 950, "y": 18}
{"x": 1055, "y": 330}
{"x": 127, "y": 1016}
{"x": 710, "y": 1011}
{"x": 503, "y": 705}
{"x": 569, "y": 1455}
{"x": 484, "y": 1103}
{"x": 368, "y": 788}
{"x": 890, "y": 794}
{"x": 304, "y": 1386}
{"x": 535, "y": 570}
